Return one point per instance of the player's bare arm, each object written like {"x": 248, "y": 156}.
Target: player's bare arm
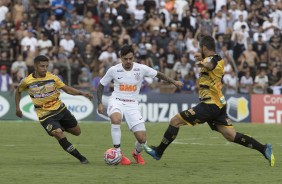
{"x": 73, "y": 91}
{"x": 99, "y": 98}
{"x": 17, "y": 100}
{"x": 162, "y": 76}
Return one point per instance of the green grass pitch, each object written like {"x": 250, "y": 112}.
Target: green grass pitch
{"x": 198, "y": 156}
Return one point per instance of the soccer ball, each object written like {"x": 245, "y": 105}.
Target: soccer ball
{"x": 112, "y": 156}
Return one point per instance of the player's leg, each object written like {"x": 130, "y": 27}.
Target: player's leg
{"x": 139, "y": 131}
{"x": 115, "y": 113}
{"x": 69, "y": 123}
{"x": 188, "y": 117}
{"x": 224, "y": 126}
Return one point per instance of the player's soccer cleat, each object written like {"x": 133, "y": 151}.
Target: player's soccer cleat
{"x": 138, "y": 158}
{"x": 151, "y": 150}
{"x": 84, "y": 161}
{"x": 269, "y": 154}
{"x": 124, "y": 161}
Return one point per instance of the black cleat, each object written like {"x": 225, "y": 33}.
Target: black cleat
{"x": 84, "y": 161}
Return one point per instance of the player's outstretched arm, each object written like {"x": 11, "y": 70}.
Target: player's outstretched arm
{"x": 17, "y": 101}
{"x": 99, "y": 98}
{"x": 73, "y": 91}
{"x": 162, "y": 76}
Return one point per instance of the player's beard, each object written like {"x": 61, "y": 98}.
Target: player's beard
{"x": 127, "y": 66}
{"x": 203, "y": 54}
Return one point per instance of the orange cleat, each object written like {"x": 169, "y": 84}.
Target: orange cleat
{"x": 124, "y": 161}
{"x": 138, "y": 158}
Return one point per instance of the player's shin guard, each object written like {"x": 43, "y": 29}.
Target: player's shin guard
{"x": 168, "y": 138}
{"x": 249, "y": 142}
{"x": 68, "y": 147}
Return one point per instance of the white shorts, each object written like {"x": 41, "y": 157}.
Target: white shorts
{"x": 129, "y": 109}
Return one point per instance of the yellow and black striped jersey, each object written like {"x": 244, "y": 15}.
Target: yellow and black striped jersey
{"x": 210, "y": 82}
{"x": 44, "y": 92}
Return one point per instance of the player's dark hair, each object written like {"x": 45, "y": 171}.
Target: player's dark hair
{"x": 125, "y": 49}
{"x": 208, "y": 42}
{"x": 40, "y": 58}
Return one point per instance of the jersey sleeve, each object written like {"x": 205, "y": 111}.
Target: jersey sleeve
{"x": 149, "y": 72}
{"x": 214, "y": 60}
{"x": 107, "y": 77}
{"x": 22, "y": 86}
{"x": 59, "y": 83}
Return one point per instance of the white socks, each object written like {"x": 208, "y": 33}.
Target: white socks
{"x": 116, "y": 135}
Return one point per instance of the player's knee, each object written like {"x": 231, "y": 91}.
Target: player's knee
{"x": 175, "y": 121}
{"x": 58, "y": 133}
{"x": 116, "y": 120}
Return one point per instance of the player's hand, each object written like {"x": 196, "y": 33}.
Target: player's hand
{"x": 19, "y": 113}
{"x": 88, "y": 95}
{"x": 198, "y": 56}
{"x": 178, "y": 84}
{"x": 101, "y": 108}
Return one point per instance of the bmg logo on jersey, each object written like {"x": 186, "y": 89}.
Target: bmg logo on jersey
{"x": 238, "y": 108}
{"x": 127, "y": 87}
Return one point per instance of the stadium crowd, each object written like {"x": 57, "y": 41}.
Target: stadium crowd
{"x": 82, "y": 39}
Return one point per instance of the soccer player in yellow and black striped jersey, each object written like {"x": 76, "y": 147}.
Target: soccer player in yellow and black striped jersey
{"x": 43, "y": 88}
{"x": 212, "y": 107}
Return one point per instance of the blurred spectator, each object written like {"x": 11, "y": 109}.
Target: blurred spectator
{"x": 4, "y": 60}
{"x": 108, "y": 58}
{"x": 84, "y": 80}
{"x": 246, "y": 83}
{"x": 89, "y": 22}
{"x": 269, "y": 26}
{"x": 67, "y": 43}
{"x": 44, "y": 44}
{"x": 275, "y": 81}
{"x": 139, "y": 13}
{"x": 261, "y": 83}
{"x": 29, "y": 44}
{"x": 42, "y": 7}
{"x": 59, "y": 8}
{"x": 188, "y": 83}
{"x": 251, "y": 57}
{"x": 230, "y": 83}
{"x": 153, "y": 22}
{"x": 6, "y": 46}
{"x": 88, "y": 59}
{"x": 95, "y": 82}
{"x": 5, "y": 79}
{"x": 182, "y": 67}
{"x": 220, "y": 23}
{"x": 170, "y": 59}
{"x": 56, "y": 71}
{"x": 19, "y": 69}
{"x": 3, "y": 10}
{"x": 260, "y": 46}
{"x": 275, "y": 45}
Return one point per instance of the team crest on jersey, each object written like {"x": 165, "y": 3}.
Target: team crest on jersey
{"x": 137, "y": 76}
{"x": 237, "y": 108}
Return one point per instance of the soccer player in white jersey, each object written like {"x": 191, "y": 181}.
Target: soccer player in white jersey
{"x": 128, "y": 77}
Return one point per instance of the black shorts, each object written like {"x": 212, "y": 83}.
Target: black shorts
{"x": 63, "y": 120}
{"x": 209, "y": 113}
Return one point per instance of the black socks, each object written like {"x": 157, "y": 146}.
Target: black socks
{"x": 168, "y": 138}
{"x": 68, "y": 147}
{"x": 249, "y": 142}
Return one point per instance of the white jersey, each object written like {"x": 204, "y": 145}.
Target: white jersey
{"x": 127, "y": 84}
